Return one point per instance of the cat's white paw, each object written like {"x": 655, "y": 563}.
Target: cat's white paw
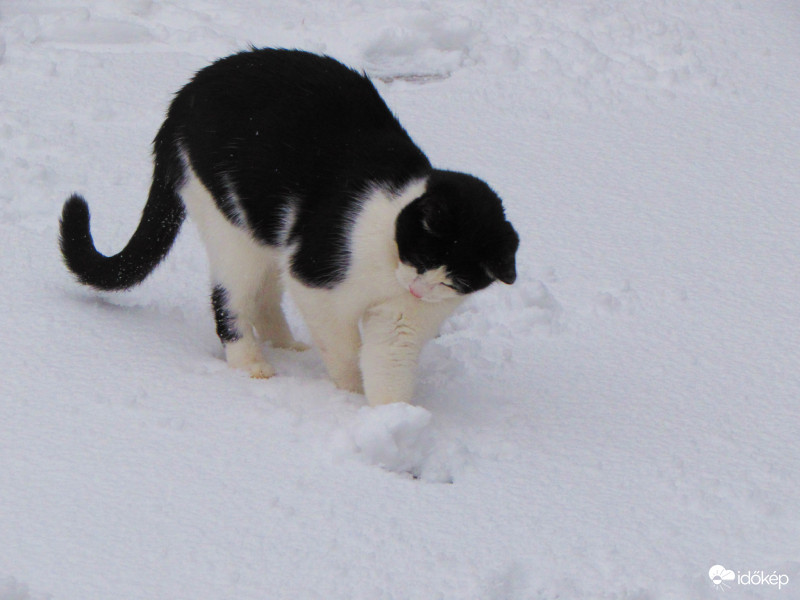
{"x": 262, "y": 370}
{"x": 382, "y": 399}
{"x": 245, "y": 354}
{"x": 293, "y": 345}
{"x": 350, "y": 382}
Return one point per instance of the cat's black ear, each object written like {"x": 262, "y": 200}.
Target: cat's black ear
{"x": 504, "y": 270}
{"x": 436, "y": 217}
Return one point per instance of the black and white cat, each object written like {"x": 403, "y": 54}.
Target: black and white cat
{"x": 298, "y": 175}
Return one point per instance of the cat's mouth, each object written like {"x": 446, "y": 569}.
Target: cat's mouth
{"x": 427, "y": 286}
{"x": 429, "y": 291}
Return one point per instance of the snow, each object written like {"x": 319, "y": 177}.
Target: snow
{"x": 621, "y": 420}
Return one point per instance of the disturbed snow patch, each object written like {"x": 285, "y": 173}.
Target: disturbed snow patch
{"x": 421, "y": 47}
{"x": 399, "y": 438}
{"x": 527, "y": 305}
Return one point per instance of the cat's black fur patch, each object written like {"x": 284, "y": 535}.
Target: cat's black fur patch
{"x": 289, "y": 127}
{"x": 272, "y": 133}
{"x": 224, "y": 318}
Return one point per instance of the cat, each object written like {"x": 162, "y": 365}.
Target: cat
{"x": 299, "y": 177}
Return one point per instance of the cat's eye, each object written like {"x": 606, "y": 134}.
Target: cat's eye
{"x": 452, "y": 287}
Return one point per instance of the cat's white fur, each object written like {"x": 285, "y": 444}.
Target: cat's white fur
{"x": 370, "y": 328}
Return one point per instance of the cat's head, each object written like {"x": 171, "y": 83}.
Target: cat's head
{"x": 454, "y": 239}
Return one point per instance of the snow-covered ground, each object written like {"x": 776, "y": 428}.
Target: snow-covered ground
{"x": 623, "y": 418}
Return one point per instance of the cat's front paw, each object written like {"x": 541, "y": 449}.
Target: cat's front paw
{"x": 350, "y": 382}
{"x": 382, "y": 399}
{"x": 245, "y": 354}
{"x": 382, "y": 388}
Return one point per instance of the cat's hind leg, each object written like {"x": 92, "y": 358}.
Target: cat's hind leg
{"x": 270, "y": 320}
{"x": 242, "y": 349}
{"x": 239, "y": 268}
{"x": 249, "y": 311}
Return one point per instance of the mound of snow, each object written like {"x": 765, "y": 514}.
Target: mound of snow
{"x": 399, "y": 438}
{"x": 420, "y": 46}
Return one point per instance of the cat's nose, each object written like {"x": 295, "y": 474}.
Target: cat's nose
{"x": 419, "y": 287}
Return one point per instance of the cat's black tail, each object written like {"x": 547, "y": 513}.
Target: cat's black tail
{"x": 161, "y": 220}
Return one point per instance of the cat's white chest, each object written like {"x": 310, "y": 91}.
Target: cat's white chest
{"x": 370, "y": 328}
